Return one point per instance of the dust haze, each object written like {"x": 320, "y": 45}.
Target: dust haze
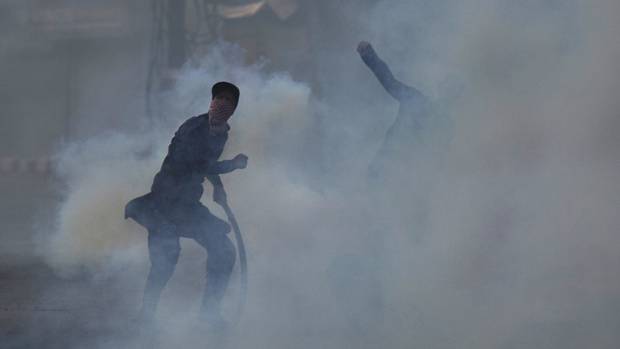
{"x": 517, "y": 242}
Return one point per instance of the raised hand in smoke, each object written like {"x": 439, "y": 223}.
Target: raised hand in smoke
{"x": 364, "y": 48}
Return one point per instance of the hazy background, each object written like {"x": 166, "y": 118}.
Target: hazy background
{"x": 518, "y": 247}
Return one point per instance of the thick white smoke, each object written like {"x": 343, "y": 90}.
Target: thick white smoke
{"x": 521, "y": 246}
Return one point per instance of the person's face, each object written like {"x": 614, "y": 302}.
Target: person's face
{"x": 225, "y": 96}
{"x": 222, "y": 107}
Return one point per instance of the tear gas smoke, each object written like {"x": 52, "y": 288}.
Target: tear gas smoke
{"x": 520, "y": 244}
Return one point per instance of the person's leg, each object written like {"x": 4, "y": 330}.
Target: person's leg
{"x": 220, "y": 262}
{"x": 164, "y": 249}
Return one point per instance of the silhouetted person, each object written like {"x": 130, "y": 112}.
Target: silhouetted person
{"x": 172, "y": 209}
{"x": 405, "y": 168}
{"x": 413, "y": 113}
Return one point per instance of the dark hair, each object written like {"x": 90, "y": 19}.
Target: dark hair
{"x": 225, "y": 86}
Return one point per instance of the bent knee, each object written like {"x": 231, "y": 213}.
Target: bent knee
{"x": 165, "y": 261}
{"x": 164, "y": 253}
{"x": 223, "y": 258}
{"x": 228, "y": 255}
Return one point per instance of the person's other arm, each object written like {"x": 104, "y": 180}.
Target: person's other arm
{"x": 226, "y": 166}
{"x": 394, "y": 87}
{"x": 220, "y": 167}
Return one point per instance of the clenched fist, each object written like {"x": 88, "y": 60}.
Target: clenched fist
{"x": 364, "y": 48}
{"x": 240, "y": 161}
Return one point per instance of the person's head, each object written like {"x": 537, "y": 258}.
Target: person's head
{"x": 224, "y": 100}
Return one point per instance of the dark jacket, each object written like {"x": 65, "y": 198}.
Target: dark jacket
{"x": 192, "y": 156}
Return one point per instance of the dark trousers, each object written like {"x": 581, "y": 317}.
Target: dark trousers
{"x": 195, "y": 222}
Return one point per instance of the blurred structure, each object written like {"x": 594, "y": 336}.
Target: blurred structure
{"x": 279, "y": 30}
{"x": 74, "y": 68}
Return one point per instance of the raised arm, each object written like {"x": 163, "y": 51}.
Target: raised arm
{"x": 395, "y": 88}
{"x": 219, "y": 194}
{"x": 221, "y": 167}
{"x": 226, "y": 166}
